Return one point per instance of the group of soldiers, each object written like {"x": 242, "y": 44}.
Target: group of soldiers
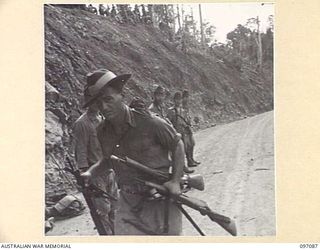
{"x": 123, "y": 13}
{"x": 157, "y": 137}
{"x": 179, "y": 116}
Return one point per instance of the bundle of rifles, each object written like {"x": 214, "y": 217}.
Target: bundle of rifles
{"x": 187, "y": 182}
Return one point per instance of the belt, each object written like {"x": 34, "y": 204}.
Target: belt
{"x": 150, "y": 194}
{"x": 134, "y": 189}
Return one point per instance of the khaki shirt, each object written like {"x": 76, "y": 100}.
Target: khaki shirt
{"x": 174, "y": 115}
{"x": 144, "y": 138}
{"x": 186, "y": 114}
{"x": 88, "y": 152}
{"x": 157, "y": 110}
{"x": 87, "y": 146}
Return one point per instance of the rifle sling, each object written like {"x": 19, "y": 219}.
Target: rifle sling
{"x": 177, "y": 115}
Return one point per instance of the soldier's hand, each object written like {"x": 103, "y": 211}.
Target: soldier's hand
{"x": 173, "y": 187}
{"x": 87, "y": 178}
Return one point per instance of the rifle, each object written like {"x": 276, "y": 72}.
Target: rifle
{"x": 88, "y": 192}
{"x": 189, "y": 181}
{"x": 225, "y": 222}
{"x": 199, "y": 205}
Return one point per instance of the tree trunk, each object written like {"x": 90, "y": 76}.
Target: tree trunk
{"x": 178, "y": 12}
{"x": 182, "y": 17}
{"x": 259, "y": 46}
{"x": 201, "y": 26}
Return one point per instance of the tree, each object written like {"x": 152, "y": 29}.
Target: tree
{"x": 209, "y": 33}
{"x": 267, "y": 45}
{"x": 254, "y": 25}
{"x": 271, "y": 22}
{"x": 240, "y": 38}
{"x": 178, "y": 16}
{"x": 253, "y": 46}
{"x": 201, "y": 26}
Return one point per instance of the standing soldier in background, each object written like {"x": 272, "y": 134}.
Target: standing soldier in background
{"x": 157, "y": 106}
{"x": 188, "y": 138}
{"x": 87, "y": 153}
{"x": 175, "y": 115}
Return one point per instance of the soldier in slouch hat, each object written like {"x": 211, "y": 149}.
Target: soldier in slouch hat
{"x": 147, "y": 139}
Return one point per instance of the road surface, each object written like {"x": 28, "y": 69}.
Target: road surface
{"x": 237, "y": 162}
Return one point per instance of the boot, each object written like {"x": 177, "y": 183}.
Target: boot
{"x": 195, "y": 162}
{"x": 187, "y": 170}
{"x": 189, "y": 157}
{"x": 191, "y": 163}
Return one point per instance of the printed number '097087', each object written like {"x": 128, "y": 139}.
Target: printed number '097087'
{"x": 308, "y": 245}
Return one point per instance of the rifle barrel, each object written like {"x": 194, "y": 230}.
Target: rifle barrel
{"x": 193, "y": 181}
{"x": 132, "y": 163}
{"x": 86, "y": 194}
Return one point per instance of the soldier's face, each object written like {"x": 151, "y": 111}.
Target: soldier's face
{"x": 177, "y": 102}
{"x": 110, "y": 103}
{"x": 159, "y": 98}
{"x": 94, "y": 107}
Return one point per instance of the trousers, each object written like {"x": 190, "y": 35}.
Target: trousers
{"x": 138, "y": 216}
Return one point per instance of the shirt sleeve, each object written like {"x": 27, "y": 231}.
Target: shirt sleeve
{"x": 166, "y": 135}
{"x": 170, "y": 116}
{"x": 81, "y": 142}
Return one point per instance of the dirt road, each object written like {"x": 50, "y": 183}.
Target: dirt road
{"x": 237, "y": 162}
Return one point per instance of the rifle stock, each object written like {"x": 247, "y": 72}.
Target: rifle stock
{"x": 225, "y": 222}
{"x": 193, "y": 180}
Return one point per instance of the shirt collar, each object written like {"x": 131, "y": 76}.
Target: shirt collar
{"x": 129, "y": 116}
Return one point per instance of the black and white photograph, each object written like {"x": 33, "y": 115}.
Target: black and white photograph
{"x": 159, "y": 119}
